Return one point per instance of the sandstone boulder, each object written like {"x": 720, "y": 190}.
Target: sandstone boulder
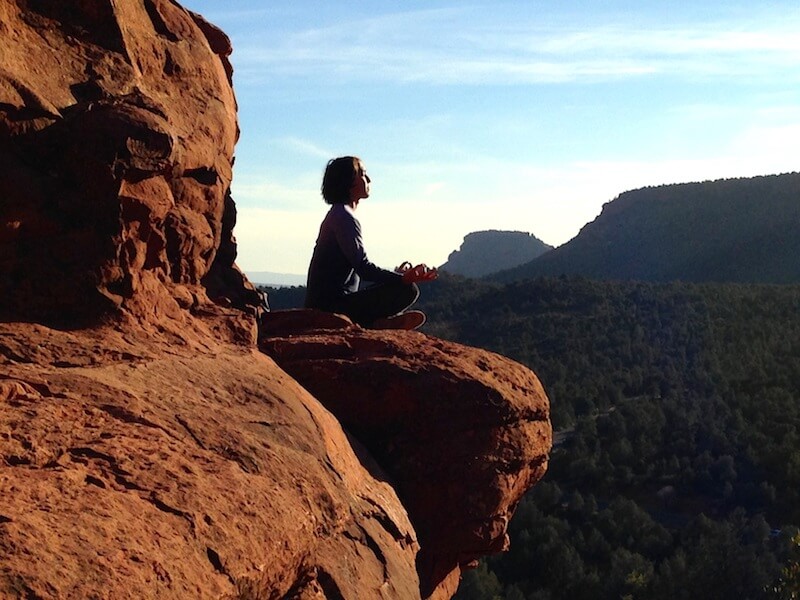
{"x": 134, "y": 466}
{"x": 462, "y": 432}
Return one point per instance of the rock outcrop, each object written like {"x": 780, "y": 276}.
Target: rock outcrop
{"x": 148, "y": 447}
{"x": 117, "y": 129}
{"x": 462, "y": 432}
{"x": 485, "y": 252}
{"x": 133, "y": 466}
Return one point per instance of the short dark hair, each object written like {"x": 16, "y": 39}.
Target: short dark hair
{"x": 338, "y": 179}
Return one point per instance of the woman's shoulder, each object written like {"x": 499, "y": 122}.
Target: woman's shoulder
{"x": 340, "y": 217}
{"x": 342, "y": 213}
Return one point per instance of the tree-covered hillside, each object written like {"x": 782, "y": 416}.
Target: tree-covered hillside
{"x": 734, "y": 230}
{"x": 676, "y": 471}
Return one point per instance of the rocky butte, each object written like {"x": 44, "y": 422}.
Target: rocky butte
{"x": 161, "y": 436}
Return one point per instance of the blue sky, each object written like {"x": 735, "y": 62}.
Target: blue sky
{"x": 522, "y": 115}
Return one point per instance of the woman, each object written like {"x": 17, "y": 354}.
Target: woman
{"x": 340, "y": 263}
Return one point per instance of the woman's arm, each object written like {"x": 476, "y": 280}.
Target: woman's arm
{"x": 348, "y": 235}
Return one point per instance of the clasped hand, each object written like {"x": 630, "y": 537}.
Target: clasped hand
{"x": 421, "y": 272}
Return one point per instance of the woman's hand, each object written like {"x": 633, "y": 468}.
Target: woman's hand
{"x": 419, "y": 273}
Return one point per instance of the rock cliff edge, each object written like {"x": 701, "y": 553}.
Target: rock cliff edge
{"x": 153, "y": 442}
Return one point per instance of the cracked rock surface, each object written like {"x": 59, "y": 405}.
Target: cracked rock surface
{"x": 117, "y": 131}
{"x": 161, "y": 468}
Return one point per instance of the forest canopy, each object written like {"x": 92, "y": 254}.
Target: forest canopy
{"x": 676, "y": 469}
{"x": 676, "y": 466}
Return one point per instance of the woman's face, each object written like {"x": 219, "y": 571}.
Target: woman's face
{"x": 360, "y": 187}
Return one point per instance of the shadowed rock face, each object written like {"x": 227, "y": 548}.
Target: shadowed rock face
{"x": 148, "y": 448}
{"x": 117, "y": 129}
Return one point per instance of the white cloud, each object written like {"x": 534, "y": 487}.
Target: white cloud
{"x": 779, "y": 144}
{"x": 446, "y": 162}
{"x": 276, "y": 240}
{"x": 457, "y": 46}
{"x": 306, "y": 147}
{"x": 271, "y": 193}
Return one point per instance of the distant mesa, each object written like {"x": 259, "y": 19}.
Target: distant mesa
{"x": 485, "y": 252}
{"x": 270, "y": 279}
{"x": 731, "y": 230}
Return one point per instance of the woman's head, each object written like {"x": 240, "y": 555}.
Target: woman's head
{"x": 344, "y": 177}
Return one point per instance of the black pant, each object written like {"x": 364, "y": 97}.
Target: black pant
{"x": 376, "y": 302}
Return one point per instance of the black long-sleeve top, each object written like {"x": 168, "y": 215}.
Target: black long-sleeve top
{"x": 339, "y": 262}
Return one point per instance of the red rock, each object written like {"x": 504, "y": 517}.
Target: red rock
{"x": 147, "y": 448}
{"x": 462, "y": 432}
{"x": 301, "y": 321}
{"x": 117, "y": 130}
{"x": 132, "y": 465}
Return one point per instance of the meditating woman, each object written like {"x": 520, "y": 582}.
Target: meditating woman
{"x": 340, "y": 264}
